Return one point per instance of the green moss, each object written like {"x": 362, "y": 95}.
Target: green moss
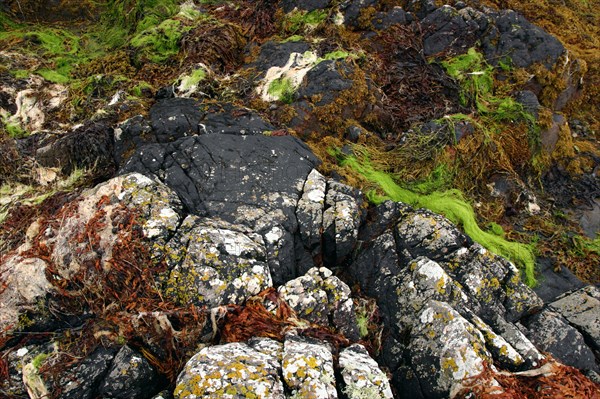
{"x": 53, "y": 76}
{"x": 191, "y": 80}
{"x": 20, "y": 74}
{"x": 140, "y": 87}
{"x": 39, "y": 360}
{"x": 299, "y": 20}
{"x": 159, "y": 43}
{"x": 14, "y": 130}
{"x": 452, "y": 205}
{"x": 282, "y": 89}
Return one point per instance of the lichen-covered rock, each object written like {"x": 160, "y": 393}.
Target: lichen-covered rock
{"x": 231, "y": 370}
{"x": 159, "y": 210}
{"x": 25, "y": 276}
{"x": 310, "y": 210}
{"x": 493, "y": 281}
{"x": 551, "y": 333}
{"x": 322, "y": 298}
{"x": 582, "y": 310}
{"x": 424, "y": 233}
{"x": 362, "y": 375}
{"x": 341, "y": 220}
{"x": 252, "y": 180}
{"x": 130, "y": 376}
{"x": 214, "y": 262}
{"x": 308, "y": 369}
{"x": 445, "y": 349}
{"x": 25, "y": 284}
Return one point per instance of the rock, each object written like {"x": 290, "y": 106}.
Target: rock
{"x": 325, "y": 79}
{"x": 322, "y": 298}
{"x": 582, "y": 310}
{"x": 362, "y": 376}
{"x": 511, "y": 35}
{"x": 80, "y": 382}
{"x": 25, "y": 286}
{"x": 87, "y": 147}
{"x": 424, "y": 233}
{"x": 341, "y": 220}
{"x": 445, "y": 349}
{"x": 130, "y": 376}
{"x": 234, "y": 369}
{"x": 213, "y": 263}
{"x": 308, "y": 369}
{"x": 556, "y": 282}
{"x": 254, "y": 180}
{"x": 229, "y": 119}
{"x": 174, "y": 118}
{"x": 452, "y": 30}
{"x": 352, "y": 10}
{"x": 529, "y": 101}
{"x": 551, "y": 333}
{"x": 309, "y": 211}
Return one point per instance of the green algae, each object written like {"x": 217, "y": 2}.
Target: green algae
{"x": 451, "y": 204}
{"x": 159, "y": 43}
{"x": 282, "y": 89}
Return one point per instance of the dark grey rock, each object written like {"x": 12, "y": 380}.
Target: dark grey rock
{"x": 582, "y": 310}
{"x": 174, "y": 118}
{"x": 351, "y": 10}
{"x": 512, "y": 36}
{"x": 277, "y": 54}
{"x": 449, "y": 29}
{"x": 82, "y": 381}
{"x": 529, "y": 101}
{"x": 551, "y": 333}
{"x": 555, "y": 283}
{"x": 325, "y": 79}
{"x": 130, "y": 376}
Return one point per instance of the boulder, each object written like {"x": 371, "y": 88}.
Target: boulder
{"x": 322, "y": 298}
{"x": 551, "y": 333}
{"x": 307, "y": 369}
{"x": 582, "y": 310}
{"x": 129, "y": 376}
{"x": 362, "y": 376}
{"x": 213, "y": 263}
{"x": 235, "y": 370}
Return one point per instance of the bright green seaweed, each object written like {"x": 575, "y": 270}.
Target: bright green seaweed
{"x": 452, "y": 205}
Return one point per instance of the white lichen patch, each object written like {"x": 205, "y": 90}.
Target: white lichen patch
{"x": 214, "y": 262}
{"x": 362, "y": 375}
{"x": 293, "y": 72}
{"x": 308, "y": 369}
{"x": 230, "y": 371}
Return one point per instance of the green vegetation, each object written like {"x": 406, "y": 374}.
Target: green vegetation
{"x": 451, "y": 204}
{"x": 159, "y": 43}
{"x": 282, "y": 89}
{"x": 39, "y": 360}
{"x": 299, "y": 21}
{"x": 189, "y": 81}
{"x": 13, "y": 129}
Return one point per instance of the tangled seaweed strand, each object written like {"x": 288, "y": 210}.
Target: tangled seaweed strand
{"x": 552, "y": 380}
{"x": 451, "y": 204}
